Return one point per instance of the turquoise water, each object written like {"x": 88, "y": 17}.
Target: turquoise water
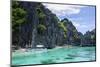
{"x": 56, "y": 55}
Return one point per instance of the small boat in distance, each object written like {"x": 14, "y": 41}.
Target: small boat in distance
{"x": 40, "y": 48}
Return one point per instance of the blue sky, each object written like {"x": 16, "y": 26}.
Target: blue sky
{"x": 83, "y": 17}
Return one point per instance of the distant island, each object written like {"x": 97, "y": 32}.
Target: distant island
{"x": 33, "y": 25}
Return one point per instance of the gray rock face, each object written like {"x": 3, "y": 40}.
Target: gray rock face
{"x": 89, "y": 38}
{"x": 30, "y": 31}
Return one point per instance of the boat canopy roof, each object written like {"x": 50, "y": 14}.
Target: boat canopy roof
{"x": 39, "y": 45}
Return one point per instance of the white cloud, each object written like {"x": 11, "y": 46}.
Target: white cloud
{"x": 76, "y": 18}
{"x": 79, "y": 25}
{"x": 63, "y": 10}
{"x": 76, "y": 24}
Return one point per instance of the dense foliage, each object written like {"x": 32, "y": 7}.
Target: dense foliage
{"x": 18, "y": 15}
{"x": 41, "y": 28}
{"x": 63, "y": 27}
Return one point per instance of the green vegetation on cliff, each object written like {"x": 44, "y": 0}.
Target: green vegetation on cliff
{"x": 41, "y": 28}
{"x": 18, "y": 15}
{"x": 63, "y": 27}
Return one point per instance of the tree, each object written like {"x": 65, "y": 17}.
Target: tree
{"x": 41, "y": 28}
{"x": 18, "y": 15}
{"x": 62, "y": 26}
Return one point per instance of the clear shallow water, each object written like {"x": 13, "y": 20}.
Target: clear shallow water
{"x": 56, "y": 55}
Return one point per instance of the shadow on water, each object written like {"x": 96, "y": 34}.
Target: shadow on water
{"x": 68, "y": 58}
{"x": 73, "y": 55}
{"x": 48, "y": 61}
